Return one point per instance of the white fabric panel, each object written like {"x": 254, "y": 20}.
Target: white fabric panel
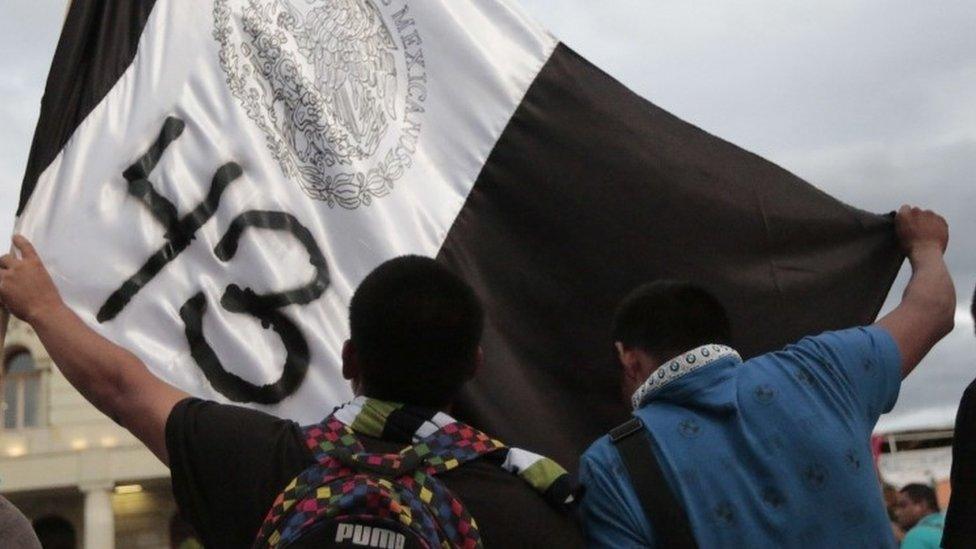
{"x": 480, "y": 56}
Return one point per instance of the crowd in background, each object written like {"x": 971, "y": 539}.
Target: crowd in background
{"x": 771, "y": 451}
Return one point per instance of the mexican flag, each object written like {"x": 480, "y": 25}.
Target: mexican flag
{"x": 211, "y": 179}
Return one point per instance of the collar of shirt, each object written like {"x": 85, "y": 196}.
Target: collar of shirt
{"x": 934, "y": 520}
{"x": 680, "y": 366}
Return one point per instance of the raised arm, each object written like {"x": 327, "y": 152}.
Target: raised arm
{"x": 114, "y": 380}
{"x": 927, "y": 309}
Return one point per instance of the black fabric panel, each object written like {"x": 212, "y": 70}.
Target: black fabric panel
{"x": 98, "y": 43}
{"x": 592, "y": 190}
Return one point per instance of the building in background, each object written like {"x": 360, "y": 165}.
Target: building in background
{"x": 62, "y": 458}
{"x": 922, "y": 456}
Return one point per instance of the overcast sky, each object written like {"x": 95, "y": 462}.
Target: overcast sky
{"x": 873, "y": 101}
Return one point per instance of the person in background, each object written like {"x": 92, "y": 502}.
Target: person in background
{"x": 918, "y": 515}
{"x": 770, "y": 452}
{"x": 15, "y": 529}
{"x": 960, "y": 523}
{"x": 890, "y": 495}
{"x": 55, "y": 532}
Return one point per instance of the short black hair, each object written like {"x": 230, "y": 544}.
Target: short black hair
{"x": 920, "y": 493}
{"x": 665, "y": 318}
{"x": 55, "y": 532}
{"x": 416, "y": 327}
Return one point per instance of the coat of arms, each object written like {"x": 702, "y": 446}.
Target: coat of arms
{"x": 323, "y": 79}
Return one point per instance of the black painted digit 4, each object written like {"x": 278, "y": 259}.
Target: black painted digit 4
{"x": 180, "y": 232}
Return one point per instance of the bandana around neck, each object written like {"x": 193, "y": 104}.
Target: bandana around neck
{"x": 410, "y": 424}
{"x": 678, "y": 367}
{"x": 391, "y": 420}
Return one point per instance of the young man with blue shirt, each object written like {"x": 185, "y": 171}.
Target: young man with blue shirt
{"x": 773, "y": 451}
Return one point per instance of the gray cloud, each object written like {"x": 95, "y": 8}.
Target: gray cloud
{"x": 29, "y": 32}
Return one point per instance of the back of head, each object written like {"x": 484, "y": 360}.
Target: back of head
{"x": 920, "y": 493}
{"x": 668, "y": 317}
{"x": 55, "y": 532}
{"x": 416, "y": 327}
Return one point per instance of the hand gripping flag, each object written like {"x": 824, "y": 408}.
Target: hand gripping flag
{"x": 211, "y": 179}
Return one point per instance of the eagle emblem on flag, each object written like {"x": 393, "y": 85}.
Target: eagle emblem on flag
{"x": 322, "y": 80}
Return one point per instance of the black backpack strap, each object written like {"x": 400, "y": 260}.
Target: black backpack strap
{"x": 662, "y": 510}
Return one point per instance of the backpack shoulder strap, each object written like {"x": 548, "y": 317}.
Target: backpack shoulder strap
{"x": 662, "y": 510}
{"x": 325, "y": 438}
{"x": 457, "y": 443}
{"x": 453, "y": 445}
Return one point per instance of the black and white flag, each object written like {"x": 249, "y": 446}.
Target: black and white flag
{"x": 211, "y": 179}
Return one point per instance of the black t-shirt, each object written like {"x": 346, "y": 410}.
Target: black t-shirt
{"x": 229, "y": 463}
{"x": 960, "y": 528}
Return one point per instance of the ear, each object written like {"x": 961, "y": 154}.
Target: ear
{"x": 350, "y": 362}
{"x": 630, "y": 360}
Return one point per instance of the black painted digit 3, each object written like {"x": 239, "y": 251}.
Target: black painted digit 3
{"x": 263, "y": 307}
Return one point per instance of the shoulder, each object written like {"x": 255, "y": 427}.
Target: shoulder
{"x": 196, "y": 413}
{"x": 600, "y": 451}
{"x": 601, "y": 472}
{"x": 609, "y": 509}
{"x": 934, "y": 521}
{"x": 230, "y": 458}
{"x": 969, "y": 395}
{"x": 927, "y": 533}
{"x": 509, "y": 511}
{"x": 872, "y": 339}
{"x": 200, "y": 432}
{"x": 868, "y": 346}
{"x": 15, "y": 529}
{"x": 599, "y": 461}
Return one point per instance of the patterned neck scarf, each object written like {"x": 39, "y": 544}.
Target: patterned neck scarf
{"x": 679, "y": 366}
{"x": 408, "y": 424}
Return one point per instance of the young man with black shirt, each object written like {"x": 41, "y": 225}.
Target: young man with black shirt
{"x": 415, "y": 341}
{"x": 960, "y": 528}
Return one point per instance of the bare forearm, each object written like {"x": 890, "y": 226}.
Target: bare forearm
{"x": 114, "y": 380}
{"x": 110, "y": 377}
{"x": 925, "y": 314}
{"x": 931, "y": 289}
{"x": 95, "y": 366}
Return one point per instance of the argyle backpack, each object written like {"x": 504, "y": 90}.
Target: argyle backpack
{"x": 351, "y": 498}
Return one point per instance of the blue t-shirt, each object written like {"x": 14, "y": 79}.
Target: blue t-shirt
{"x": 772, "y": 452}
{"x": 927, "y": 534}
